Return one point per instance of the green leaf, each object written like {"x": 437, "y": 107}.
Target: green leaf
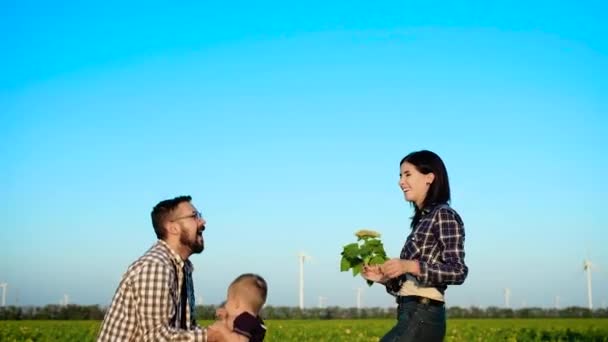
{"x": 377, "y": 260}
{"x": 373, "y": 243}
{"x": 351, "y": 250}
{"x": 367, "y": 260}
{"x": 378, "y": 249}
{"x": 357, "y": 269}
{"x": 344, "y": 265}
{"x": 370, "y": 283}
{"x": 364, "y": 251}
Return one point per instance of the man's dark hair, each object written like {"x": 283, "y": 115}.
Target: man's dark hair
{"x": 161, "y": 213}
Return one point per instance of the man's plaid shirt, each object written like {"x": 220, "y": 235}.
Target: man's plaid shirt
{"x": 437, "y": 242}
{"x": 147, "y": 301}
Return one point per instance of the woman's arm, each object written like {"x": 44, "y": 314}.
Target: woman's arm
{"x": 449, "y": 231}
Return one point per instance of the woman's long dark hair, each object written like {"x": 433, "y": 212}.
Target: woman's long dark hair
{"x": 439, "y": 191}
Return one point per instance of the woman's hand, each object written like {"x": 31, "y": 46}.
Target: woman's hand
{"x": 373, "y": 273}
{"x": 221, "y": 314}
{"x": 218, "y": 332}
{"x": 393, "y": 268}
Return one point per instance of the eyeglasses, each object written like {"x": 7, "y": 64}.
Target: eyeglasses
{"x": 196, "y": 215}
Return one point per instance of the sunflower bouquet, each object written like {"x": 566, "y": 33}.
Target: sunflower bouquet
{"x": 368, "y": 250}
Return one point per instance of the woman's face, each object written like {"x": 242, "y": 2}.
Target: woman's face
{"x": 414, "y": 184}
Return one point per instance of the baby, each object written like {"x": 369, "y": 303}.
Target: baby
{"x": 239, "y": 319}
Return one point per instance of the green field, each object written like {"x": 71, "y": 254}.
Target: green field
{"x": 347, "y": 330}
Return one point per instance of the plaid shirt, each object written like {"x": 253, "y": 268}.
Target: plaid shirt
{"x": 147, "y": 302}
{"x": 437, "y": 242}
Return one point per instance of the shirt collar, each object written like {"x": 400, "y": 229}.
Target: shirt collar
{"x": 426, "y": 210}
{"x": 176, "y": 258}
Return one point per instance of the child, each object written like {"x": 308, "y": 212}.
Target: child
{"x": 239, "y": 318}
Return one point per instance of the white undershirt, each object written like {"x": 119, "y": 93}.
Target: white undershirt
{"x": 411, "y": 287}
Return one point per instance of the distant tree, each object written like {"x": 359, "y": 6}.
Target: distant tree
{"x": 207, "y": 312}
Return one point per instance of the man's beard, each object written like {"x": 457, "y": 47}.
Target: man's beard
{"x": 194, "y": 245}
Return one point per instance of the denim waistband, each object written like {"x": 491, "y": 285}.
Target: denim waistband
{"x": 419, "y": 300}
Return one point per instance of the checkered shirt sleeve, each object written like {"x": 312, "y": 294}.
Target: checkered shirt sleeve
{"x": 446, "y": 265}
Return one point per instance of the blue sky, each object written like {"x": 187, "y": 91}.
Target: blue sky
{"x": 286, "y": 123}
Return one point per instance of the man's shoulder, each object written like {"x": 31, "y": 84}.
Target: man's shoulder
{"x": 157, "y": 255}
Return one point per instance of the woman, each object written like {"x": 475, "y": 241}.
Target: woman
{"x": 432, "y": 256}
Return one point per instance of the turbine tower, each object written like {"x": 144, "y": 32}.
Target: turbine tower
{"x": 507, "y": 296}
{"x": 359, "y": 289}
{"x": 322, "y": 301}
{"x": 302, "y": 257}
{"x": 587, "y": 267}
{"x": 3, "y": 286}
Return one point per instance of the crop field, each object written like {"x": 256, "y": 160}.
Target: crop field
{"x": 347, "y": 330}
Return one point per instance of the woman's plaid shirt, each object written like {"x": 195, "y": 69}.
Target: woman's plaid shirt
{"x": 147, "y": 301}
{"x": 437, "y": 242}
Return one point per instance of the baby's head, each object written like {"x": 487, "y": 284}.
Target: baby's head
{"x": 246, "y": 293}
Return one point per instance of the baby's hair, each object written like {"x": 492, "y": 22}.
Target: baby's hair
{"x": 252, "y": 288}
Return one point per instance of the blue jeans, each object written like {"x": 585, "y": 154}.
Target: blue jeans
{"x": 417, "y": 322}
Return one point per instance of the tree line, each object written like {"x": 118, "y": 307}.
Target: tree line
{"x": 207, "y": 312}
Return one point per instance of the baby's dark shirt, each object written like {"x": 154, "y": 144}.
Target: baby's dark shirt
{"x": 250, "y": 326}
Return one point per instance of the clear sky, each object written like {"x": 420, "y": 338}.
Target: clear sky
{"x": 286, "y": 122}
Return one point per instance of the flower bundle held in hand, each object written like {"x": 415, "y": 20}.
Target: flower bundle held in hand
{"x": 368, "y": 250}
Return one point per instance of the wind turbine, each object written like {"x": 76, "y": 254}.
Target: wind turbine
{"x": 302, "y": 257}
{"x": 507, "y": 296}
{"x": 3, "y": 286}
{"x": 359, "y": 289}
{"x": 65, "y": 300}
{"x": 322, "y": 301}
{"x": 557, "y": 302}
{"x": 587, "y": 267}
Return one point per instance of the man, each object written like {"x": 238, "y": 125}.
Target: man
{"x": 155, "y": 298}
